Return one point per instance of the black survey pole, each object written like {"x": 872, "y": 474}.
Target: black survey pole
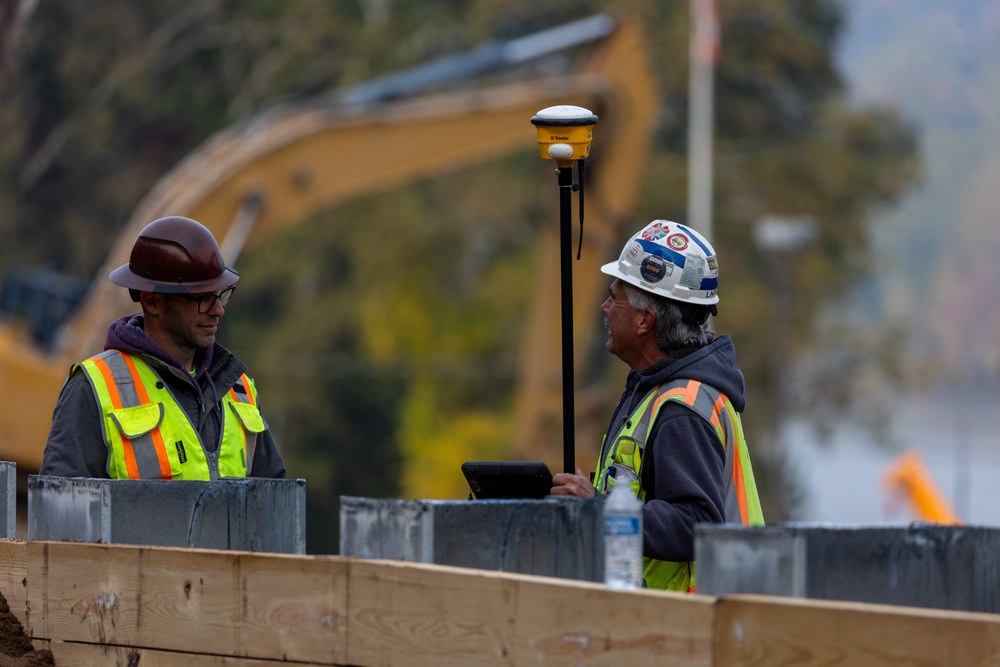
{"x": 566, "y": 310}
{"x": 564, "y": 135}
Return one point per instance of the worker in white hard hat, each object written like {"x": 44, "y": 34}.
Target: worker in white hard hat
{"x": 675, "y": 436}
{"x": 164, "y": 400}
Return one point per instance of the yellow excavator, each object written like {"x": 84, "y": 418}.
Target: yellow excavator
{"x": 278, "y": 168}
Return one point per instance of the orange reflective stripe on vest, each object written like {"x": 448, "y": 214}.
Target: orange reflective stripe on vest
{"x": 245, "y": 395}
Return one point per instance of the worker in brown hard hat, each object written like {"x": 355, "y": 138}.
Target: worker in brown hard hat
{"x": 164, "y": 400}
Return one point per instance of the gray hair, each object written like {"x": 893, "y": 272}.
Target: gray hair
{"x": 672, "y": 331}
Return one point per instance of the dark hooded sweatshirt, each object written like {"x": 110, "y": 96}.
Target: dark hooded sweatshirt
{"x": 76, "y": 447}
{"x": 683, "y": 463}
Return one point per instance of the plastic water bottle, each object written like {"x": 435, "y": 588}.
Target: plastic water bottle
{"x": 622, "y": 538}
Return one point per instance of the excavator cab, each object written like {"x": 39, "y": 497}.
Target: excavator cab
{"x": 43, "y": 298}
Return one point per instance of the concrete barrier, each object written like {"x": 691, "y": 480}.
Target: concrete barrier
{"x": 266, "y": 515}
{"x": 920, "y": 565}
{"x": 8, "y": 489}
{"x": 557, "y": 537}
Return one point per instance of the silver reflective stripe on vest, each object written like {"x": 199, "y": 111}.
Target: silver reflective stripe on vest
{"x": 142, "y": 446}
{"x": 732, "y": 502}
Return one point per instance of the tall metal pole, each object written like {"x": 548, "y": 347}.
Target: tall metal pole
{"x": 564, "y": 135}
{"x": 703, "y": 54}
{"x": 566, "y": 310}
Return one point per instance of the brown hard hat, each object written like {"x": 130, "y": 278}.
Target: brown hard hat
{"x": 175, "y": 255}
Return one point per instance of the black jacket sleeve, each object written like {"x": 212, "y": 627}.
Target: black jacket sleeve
{"x": 75, "y": 446}
{"x": 267, "y": 460}
{"x": 682, "y": 472}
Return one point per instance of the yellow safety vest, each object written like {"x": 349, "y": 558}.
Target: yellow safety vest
{"x": 148, "y": 434}
{"x": 626, "y": 452}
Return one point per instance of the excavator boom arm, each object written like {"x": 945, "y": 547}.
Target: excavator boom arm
{"x": 274, "y": 170}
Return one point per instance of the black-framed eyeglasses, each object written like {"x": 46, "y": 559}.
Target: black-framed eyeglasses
{"x": 206, "y": 302}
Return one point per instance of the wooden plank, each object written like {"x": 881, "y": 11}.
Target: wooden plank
{"x": 104, "y": 655}
{"x": 14, "y": 577}
{"x": 102, "y": 603}
{"x": 405, "y": 613}
{"x": 590, "y": 624}
{"x": 110, "y": 594}
{"x": 294, "y": 607}
{"x": 759, "y": 630}
{"x": 265, "y": 606}
{"x": 427, "y": 615}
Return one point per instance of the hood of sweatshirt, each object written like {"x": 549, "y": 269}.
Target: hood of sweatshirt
{"x": 714, "y": 364}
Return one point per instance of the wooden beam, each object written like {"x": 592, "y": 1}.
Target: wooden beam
{"x": 762, "y": 630}
{"x": 590, "y": 624}
{"x": 105, "y": 604}
{"x": 14, "y": 577}
{"x": 430, "y": 615}
{"x": 332, "y": 610}
{"x": 265, "y": 606}
{"x": 104, "y": 655}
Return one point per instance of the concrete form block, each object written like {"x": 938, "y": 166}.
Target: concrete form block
{"x": 8, "y": 487}
{"x": 556, "y": 537}
{"x": 266, "y": 515}
{"x": 919, "y": 565}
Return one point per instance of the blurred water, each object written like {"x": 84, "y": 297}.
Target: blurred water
{"x": 957, "y": 435}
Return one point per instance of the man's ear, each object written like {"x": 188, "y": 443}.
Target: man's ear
{"x": 151, "y": 302}
{"x": 646, "y": 321}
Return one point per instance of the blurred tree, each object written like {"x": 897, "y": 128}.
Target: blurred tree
{"x": 384, "y": 334}
{"x": 787, "y": 144}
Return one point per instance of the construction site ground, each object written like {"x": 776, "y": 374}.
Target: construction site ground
{"x": 16, "y": 649}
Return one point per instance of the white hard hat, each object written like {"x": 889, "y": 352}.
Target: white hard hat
{"x": 671, "y": 260}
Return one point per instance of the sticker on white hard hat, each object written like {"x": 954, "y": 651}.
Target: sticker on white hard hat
{"x": 653, "y": 269}
{"x": 694, "y": 269}
{"x": 633, "y": 252}
{"x": 678, "y": 242}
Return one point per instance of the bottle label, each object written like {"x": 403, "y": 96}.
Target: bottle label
{"x": 621, "y": 525}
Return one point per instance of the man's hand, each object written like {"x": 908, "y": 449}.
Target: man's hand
{"x": 568, "y": 484}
